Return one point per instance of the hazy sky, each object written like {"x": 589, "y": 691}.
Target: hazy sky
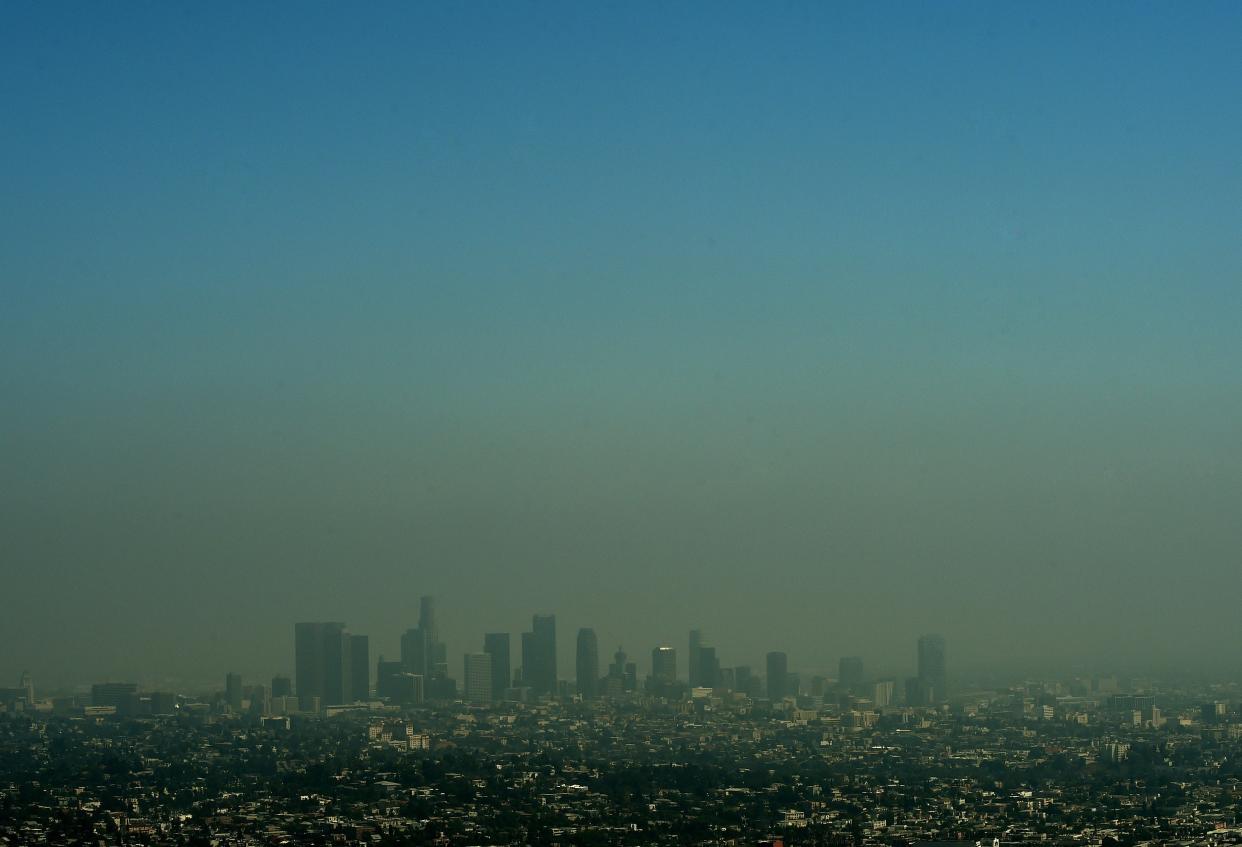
{"x": 815, "y": 325}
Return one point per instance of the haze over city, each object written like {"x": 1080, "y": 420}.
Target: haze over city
{"x": 819, "y": 330}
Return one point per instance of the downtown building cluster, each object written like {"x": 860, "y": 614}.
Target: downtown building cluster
{"x": 329, "y": 673}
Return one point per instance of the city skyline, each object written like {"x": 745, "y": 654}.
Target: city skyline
{"x": 818, "y": 326}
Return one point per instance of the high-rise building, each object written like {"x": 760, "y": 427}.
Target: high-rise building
{"x": 233, "y": 692}
{"x": 696, "y": 643}
{"x": 933, "y": 669}
{"x": 422, "y": 652}
{"x": 437, "y": 651}
{"x": 539, "y": 655}
{"x": 282, "y": 686}
{"x": 359, "y": 667}
{"x": 478, "y": 677}
{"x": 588, "y": 664}
{"x": 321, "y": 664}
{"x": 414, "y": 651}
{"x": 850, "y": 674}
{"x": 664, "y": 664}
{"x": 882, "y": 692}
{"x": 709, "y": 667}
{"x": 496, "y": 645}
{"x": 778, "y": 673}
{"x": 385, "y": 672}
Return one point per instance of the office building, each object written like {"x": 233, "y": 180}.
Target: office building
{"x": 588, "y": 664}
{"x": 933, "y": 670}
{"x": 709, "y": 668}
{"x": 664, "y": 664}
{"x": 122, "y": 696}
{"x": 233, "y": 692}
{"x": 696, "y": 643}
{"x": 496, "y": 645}
{"x": 478, "y": 678}
{"x": 778, "y": 676}
{"x": 282, "y": 686}
{"x": 850, "y": 674}
{"x": 539, "y": 656}
{"x": 321, "y": 664}
{"x": 359, "y": 667}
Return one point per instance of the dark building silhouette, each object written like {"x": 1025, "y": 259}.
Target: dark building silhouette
{"x": 477, "y": 677}
{"x": 123, "y": 696}
{"x": 709, "y": 668}
{"x": 359, "y": 667}
{"x": 496, "y": 645}
{"x": 664, "y": 664}
{"x": 695, "y": 662}
{"x": 933, "y": 670}
{"x": 163, "y": 703}
{"x": 414, "y": 651}
{"x": 233, "y": 692}
{"x": 850, "y": 674}
{"x": 539, "y": 655}
{"x": 321, "y": 664}
{"x": 437, "y": 652}
{"x": 282, "y": 686}
{"x": 778, "y": 676}
{"x": 422, "y": 652}
{"x": 588, "y": 664}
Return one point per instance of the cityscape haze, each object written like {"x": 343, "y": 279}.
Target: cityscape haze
{"x": 924, "y": 322}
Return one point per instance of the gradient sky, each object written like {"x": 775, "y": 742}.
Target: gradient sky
{"x": 815, "y": 325}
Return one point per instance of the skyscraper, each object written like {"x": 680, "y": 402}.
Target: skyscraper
{"x": 478, "y": 677}
{"x": 709, "y": 667}
{"x": 321, "y": 663}
{"x": 933, "y": 669}
{"x": 233, "y": 692}
{"x": 588, "y": 664}
{"x": 778, "y": 672}
{"x": 437, "y": 652}
{"x": 496, "y": 645}
{"x": 359, "y": 667}
{"x": 850, "y": 674}
{"x": 696, "y": 642}
{"x": 539, "y": 655}
{"x": 664, "y": 664}
{"x": 414, "y": 651}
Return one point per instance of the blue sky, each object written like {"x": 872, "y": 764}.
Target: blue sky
{"x": 651, "y": 316}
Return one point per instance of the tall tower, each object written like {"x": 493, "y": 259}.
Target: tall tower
{"x": 478, "y": 678}
{"x": 233, "y": 692}
{"x": 541, "y": 673}
{"x": 359, "y": 667}
{"x": 933, "y": 669}
{"x": 850, "y": 674}
{"x": 588, "y": 664}
{"x": 422, "y": 652}
{"x": 696, "y": 643}
{"x": 321, "y": 663}
{"x": 496, "y": 645}
{"x": 414, "y": 651}
{"x": 664, "y": 666}
{"x": 778, "y": 676}
{"x": 709, "y": 668}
